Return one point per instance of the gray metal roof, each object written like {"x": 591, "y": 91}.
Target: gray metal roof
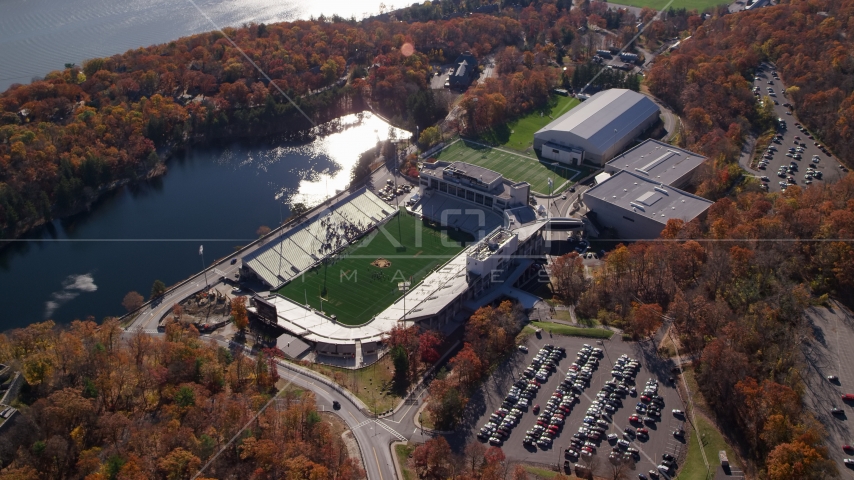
{"x": 595, "y": 120}
{"x": 658, "y": 161}
{"x": 487, "y": 175}
{"x": 644, "y": 197}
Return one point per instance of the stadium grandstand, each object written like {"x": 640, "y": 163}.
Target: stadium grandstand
{"x": 296, "y": 250}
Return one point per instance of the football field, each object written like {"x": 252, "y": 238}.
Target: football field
{"x": 514, "y": 166}
{"x": 363, "y": 280}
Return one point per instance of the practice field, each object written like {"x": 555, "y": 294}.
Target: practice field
{"x": 699, "y": 5}
{"x": 514, "y": 166}
{"x": 362, "y": 281}
{"x": 518, "y": 134}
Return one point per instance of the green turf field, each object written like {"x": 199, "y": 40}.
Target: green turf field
{"x": 518, "y": 134}
{"x": 514, "y": 166}
{"x": 355, "y": 290}
{"x": 699, "y": 5}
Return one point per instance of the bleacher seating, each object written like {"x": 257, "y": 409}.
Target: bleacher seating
{"x": 286, "y": 256}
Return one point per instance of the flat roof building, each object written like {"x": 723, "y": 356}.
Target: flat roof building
{"x": 474, "y": 184}
{"x": 596, "y": 130}
{"x": 659, "y": 162}
{"x": 638, "y": 208}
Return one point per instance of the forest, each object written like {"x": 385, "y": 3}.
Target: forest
{"x": 68, "y": 137}
{"x": 100, "y": 403}
{"x": 65, "y": 138}
{"x": 708, "y": 80}
{"x": 735, "y": 286}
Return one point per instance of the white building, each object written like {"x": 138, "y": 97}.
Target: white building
{"x": 639, "y": 208}
{"x": 596, "y": 130}
{"x": 474, "y": 184}
{"x": 659, "y": 162}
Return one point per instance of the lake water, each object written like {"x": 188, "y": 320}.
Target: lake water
{"x": 38, "y": 36}
{"x": 213, "y": 196}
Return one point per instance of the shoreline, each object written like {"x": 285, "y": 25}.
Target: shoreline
{"x": 326, "y": 125}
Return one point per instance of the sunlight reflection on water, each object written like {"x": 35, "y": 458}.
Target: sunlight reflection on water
{"x": 360, "y": 133}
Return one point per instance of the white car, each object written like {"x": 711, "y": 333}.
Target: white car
{"x": 676, "y": 411}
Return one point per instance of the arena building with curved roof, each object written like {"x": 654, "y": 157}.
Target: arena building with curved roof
{"x": 598, "y": 129}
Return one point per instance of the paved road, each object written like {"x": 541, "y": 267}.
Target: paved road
{"x": 373, "y": 435}
{"x": 151, "y": 313}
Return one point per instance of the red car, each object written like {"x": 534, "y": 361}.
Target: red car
{"x": 645, "y": 399}
{"x": 634, "y": 419}
{"x": 536, "y": 408}
{"x": 848, "y": 448}
{"x": 643, "y": 431}
{"x": 848, "y": 396}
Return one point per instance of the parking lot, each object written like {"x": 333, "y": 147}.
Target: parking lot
{"x": 660, "y": 439}
{"x": 827, "y": 165}
{"x": 830, "y": 352}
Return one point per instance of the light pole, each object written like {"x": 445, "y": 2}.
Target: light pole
{"x": 202, "y": 254}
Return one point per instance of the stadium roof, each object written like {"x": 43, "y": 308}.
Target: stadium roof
{"x": 644, "y": 197}
{"x": 311, "y": 325}
{"x": 475, "y": 171}
{"x": 596, "y": 119}
{"x": 658, "y": 161}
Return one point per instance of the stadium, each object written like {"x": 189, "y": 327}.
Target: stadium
{"x": 344, "y": 275}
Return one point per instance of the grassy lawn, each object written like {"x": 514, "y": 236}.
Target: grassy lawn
{"x": 372, "y": 384}
{"x": 713, "y": 442}
{"x": 540, "y": 472}
{"x": 560, "y": 329}
{"x": 403, "y": 452}
{"x": 514, "y": 166}
{"x": 518, "y": 134}
{"x": 696, "y": 396}
{"x": 426, "y": 419}
{"x": 354, "y": 290}
{"x": 698, "y": 5}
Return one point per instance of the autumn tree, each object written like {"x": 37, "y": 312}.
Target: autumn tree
{"x": 429, "y": 136}
{"x": 428, "y": 344}
{"x": 646, "y": 318}
{"x": 568, "y": 278}
{"x": 407, "y": 339}
{"x": 179, "y": 464}
{"x": 799, "y": 460}
{"x": 239, "y": 315}
{"x": 447, "y": 403}
{"x": 432, "y": 458}
{"x": 132, "y": 301}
